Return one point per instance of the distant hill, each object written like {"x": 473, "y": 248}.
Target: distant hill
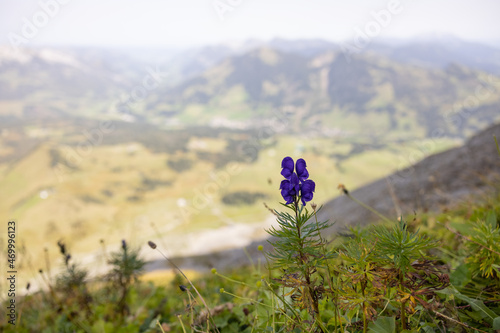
{"x": 402, "y": 89}
{"x": 50, "y": 73}
{"x": 440, "y": 52}
{"x": 320, "y": 92}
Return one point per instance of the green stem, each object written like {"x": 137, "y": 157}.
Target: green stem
{"x": 248, "y": 299}
{"x": 403, "y": 304}
{"x": 234, "y": 281}
{"x": 369, "y": 208}
{"x": 303, "y": 263}
{"x": 283, "y": 301}
{"x": 192, "y": 286}
{"x": 364, "y": 305}
{"x": 182, "y": 324}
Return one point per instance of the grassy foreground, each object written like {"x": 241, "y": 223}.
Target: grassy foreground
{"x": 432, "y": 273}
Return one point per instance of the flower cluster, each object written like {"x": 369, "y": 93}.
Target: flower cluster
{"x": 296, "y": 185}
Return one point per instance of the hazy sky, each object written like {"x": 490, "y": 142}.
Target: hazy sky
{"x": 191, "y": 22}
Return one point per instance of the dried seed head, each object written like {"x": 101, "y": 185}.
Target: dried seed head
{"x": 314, "y": 205}
{"x": 152, "y": 245}
{"x": 270, "y": 209}
{"x": 62, "y": 247}
{"x": 343, "y": 189}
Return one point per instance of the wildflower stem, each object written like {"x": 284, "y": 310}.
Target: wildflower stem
{"x": 403, "y": 303}
{"x": 192, "y": 285}
{"x": 302, "y": 259}
{"x": 292, "y": 310}
{"x": 369, "y": 208}
{"x": 232, "y": 280}
{"x": 161, "y": 328}
{"x": 182, "y": 324}
{"x": 246, "y": 299}
{"x": 457, "y": 322}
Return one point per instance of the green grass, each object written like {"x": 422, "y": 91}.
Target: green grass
{"x": 246, "y": 299}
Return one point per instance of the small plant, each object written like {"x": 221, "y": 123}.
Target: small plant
{"x": 73, "y": 285}
{"x": 404, "y": 253}
{"x": 127, "y": 266}
{"x": 360, "y": 289}
{"x": 298, "y": 245}
{"x": 483, "y": 244}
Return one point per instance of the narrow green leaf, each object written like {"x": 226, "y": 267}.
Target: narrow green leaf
{"x": 477, "y": 305}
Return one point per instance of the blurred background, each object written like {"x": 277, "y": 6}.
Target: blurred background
{"x": 168, "y": 120}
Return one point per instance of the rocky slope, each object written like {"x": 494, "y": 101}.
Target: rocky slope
{"x": 437, "y": 182}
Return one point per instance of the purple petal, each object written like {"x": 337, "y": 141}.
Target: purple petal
{"x": 287, "y": 196}
{"x": 306, "y": 197}
{"x": 308, "y": 186}
{"x": 287, "y": 165}
{"x": 306, "y": 191}
{"x": 301, "y": 169}
{"x": 285, "y": 184}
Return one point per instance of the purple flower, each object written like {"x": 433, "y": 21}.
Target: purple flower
{"x": 287, "y": 166}
{"x": 290, "y": 188}
{"x": 307, "y": 188}
{"x": 301, "y": 169}
{"x": 296, "y": 185}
